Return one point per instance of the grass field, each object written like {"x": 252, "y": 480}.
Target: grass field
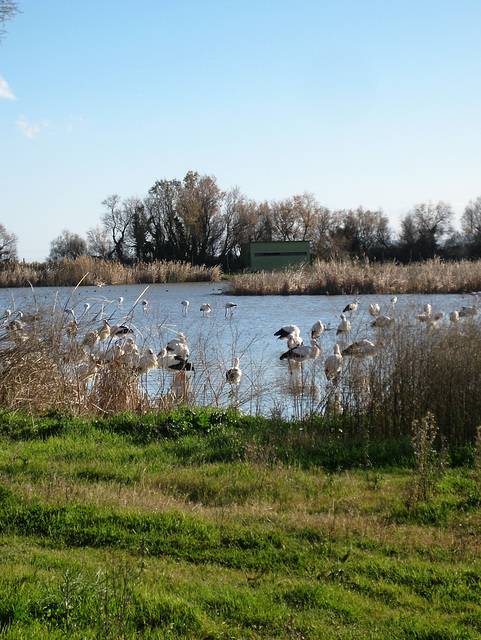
{"x": 205, "y": 524}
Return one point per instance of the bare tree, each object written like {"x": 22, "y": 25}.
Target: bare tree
{"x": 117, "y": 220}
{"x": 8, "y": 245}
{"x": 8, "y": 10}
{"x": 99, "y": 243}
{"x": 67, "y": 246}
{"x": 471, "y": 225}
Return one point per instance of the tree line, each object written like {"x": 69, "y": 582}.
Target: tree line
{"x": 195, "y": 221}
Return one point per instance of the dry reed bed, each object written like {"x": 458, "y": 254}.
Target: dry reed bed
{"x": 347, "y": 278}
{"x": 92, "y": 271}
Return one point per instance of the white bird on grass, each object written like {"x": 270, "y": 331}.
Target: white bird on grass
{"x": 234, "y": 375}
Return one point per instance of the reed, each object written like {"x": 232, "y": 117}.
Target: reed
{"x": 93, "y": 271}
{"x": 417, "y": 370}
{"x": 340, "y": 277}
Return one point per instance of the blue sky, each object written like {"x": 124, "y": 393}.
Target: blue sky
{"x": 358, "y": 102}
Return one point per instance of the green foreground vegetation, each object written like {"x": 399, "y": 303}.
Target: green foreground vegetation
{"x": 207, "y": 524}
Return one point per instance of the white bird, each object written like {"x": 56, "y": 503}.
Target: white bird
{"x": 303, "y": 352}
{"x": 333, "y": 364}
{"x": 114, "y": 353}
{"x": 284, "y": 332}
{"x": 86, "y": 308}
{"x": 316, "y": 329}
{"x": 71, "y": 328}
{"x": 119, "y": 330}
{"x": 131, "y": 356}
{"x": 470, "y": 312}
{"x": 344, "y": 326}
{"x": 86, "y": 370}
{"x": 145, "y": 306}
{"x": 120, "y": 303}
{"x": 205, "y": 308}
{"x": 104, "y": 331}
{"x": 424, "y": 317}
{"x": 351, "y": 307}
{"x": 382, "y": 321}
{"x": 234, "y": 375}
{"x": 172, "y": 363}
{"x": 91, "y": 339}
{"x": 360, "y": 349}
{"x": 454, "y": 316}
{"x": 374, "y": 309}
{"x": 178, "y": 347}
{"x": 229, "y": 308}
{"x": 294, "y": 340}
{"x": 185, "y": 306}
{"x": 147, "y": 362}
{"x": 393, "y": 301}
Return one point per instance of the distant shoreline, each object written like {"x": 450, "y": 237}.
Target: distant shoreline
{"x": 334, "y": 277}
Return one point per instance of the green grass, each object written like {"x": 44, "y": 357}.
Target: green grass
{"x": 204, "y": 524}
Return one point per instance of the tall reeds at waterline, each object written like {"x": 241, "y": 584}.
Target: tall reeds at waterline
{"x": 92, "y": 272}
{"x": 340, "y": 277}
{"x": 417, "y": 369}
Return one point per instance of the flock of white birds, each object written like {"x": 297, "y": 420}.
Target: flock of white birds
{"x": 116, "y": 342}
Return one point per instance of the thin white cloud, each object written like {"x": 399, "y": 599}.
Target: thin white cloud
{"x": 5, "y": 91}
{"x": 31, "y": 130}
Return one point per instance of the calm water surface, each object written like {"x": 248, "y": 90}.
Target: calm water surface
{"x": 215, "y": 340}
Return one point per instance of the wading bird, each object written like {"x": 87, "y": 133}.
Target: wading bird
{"x": 374, "y": 309}
{"x": 344, "y": 326}
{"x": 284, "y": 332}
{"x": 185, "y": 306}
{"x": 333, "y": 364}
{"x": 382, "y": 321}
{"x": 205, "y": 308}
{"x": 229, "y": 308}
{"x": 351, "y": 307}
{"x": 360, "y": 349}
{"x": 234, "y": 375}
{"x": 316, "y": 329}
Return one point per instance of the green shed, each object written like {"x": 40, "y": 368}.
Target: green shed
{"x": 270, "y": 256}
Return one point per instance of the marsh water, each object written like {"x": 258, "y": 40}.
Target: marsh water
{"x": 155, "y": 313}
